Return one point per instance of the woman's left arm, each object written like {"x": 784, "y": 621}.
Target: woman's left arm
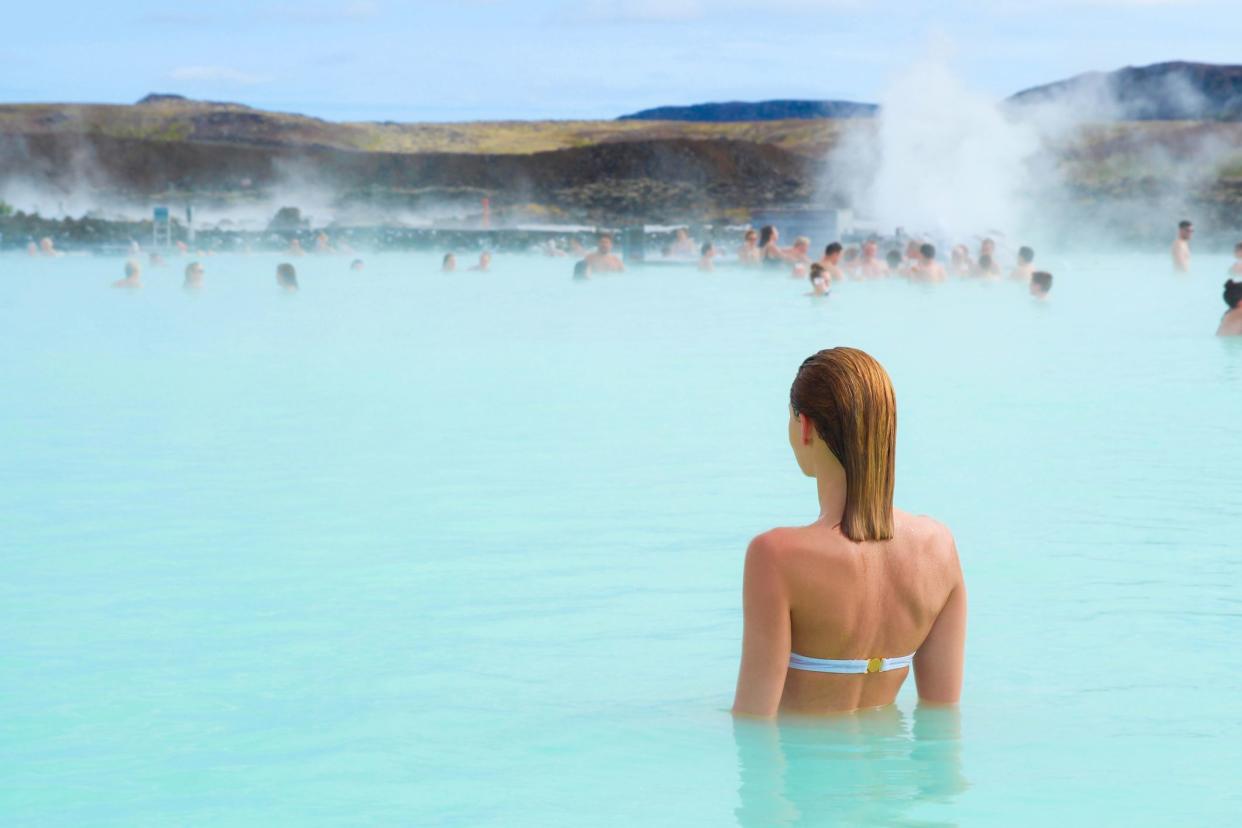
{"x": 766, "y": 633}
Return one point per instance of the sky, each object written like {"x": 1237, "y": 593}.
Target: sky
{"x": 463, "y": 60}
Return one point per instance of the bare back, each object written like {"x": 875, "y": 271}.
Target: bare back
{"x": 847, "y": 600}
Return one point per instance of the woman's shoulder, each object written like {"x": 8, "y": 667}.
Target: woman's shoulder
{"x": 925, "y": 532}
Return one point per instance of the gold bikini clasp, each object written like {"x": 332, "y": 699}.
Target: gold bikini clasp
{"x": 874, "y": 665}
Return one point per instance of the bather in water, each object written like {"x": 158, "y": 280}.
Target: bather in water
{"x": 707, "y": 253}
{"x": 1041, "y": 284}
{"x": 193, "y": 276}
{"x": 1231, "y": 322}
{"x": 748, "y": 255}
{"x": 1025, "y": 267}
{"x": 602, "y": 259}
{"x": 287, "y": 277}
{"x": 836, "y": 612}
{"x": 133, "y": 276}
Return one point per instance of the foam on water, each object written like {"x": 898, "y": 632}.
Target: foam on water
{"x": 419, "y": 548}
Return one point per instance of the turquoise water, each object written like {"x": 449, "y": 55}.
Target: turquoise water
{"x": 426, "y": 549}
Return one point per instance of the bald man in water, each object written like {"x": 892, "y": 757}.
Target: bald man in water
{"x": 1181, "y": 247}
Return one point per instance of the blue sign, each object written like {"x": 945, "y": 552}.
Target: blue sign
{"x": 161, "y": 214}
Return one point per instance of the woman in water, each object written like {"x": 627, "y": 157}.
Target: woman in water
{"x": 449, "y": 264}
{"x": 287, "y": 277}
{"x": 836, "y": 612}
{"x": 769, "y": 253}
{"x": 1231, "y": 323}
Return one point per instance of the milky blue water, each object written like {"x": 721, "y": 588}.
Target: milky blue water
{"x": 426, "y": 549}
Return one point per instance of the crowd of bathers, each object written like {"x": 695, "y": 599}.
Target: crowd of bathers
{"x": 911, "y": 259}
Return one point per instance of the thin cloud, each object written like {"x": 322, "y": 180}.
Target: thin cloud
{"x": 217, "y": 74}
{"x": 681, "y": 11}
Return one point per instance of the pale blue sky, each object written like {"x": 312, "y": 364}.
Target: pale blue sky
{"x": 484, "y": 59}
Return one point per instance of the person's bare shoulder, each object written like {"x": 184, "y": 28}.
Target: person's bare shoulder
{"x": 929, "y": 535}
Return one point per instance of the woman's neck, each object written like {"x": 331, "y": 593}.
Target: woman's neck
{"x": 830, "y": 486}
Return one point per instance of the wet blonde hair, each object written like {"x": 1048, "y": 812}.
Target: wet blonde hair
{"x": 849, "y": 398}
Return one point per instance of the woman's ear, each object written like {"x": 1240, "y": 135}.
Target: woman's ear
{"x": 806, "y": 429}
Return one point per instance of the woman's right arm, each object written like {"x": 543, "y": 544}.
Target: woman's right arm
{"x": 939, "y": 662}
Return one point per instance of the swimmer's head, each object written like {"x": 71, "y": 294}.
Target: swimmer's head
{"x": 802, "y": 244}
{"x": 927, "y": 252}
{"x": 132, "y": 269}
{"x": 751, "y": 238}
{"x": 893, "y": 259}
{"x": 485, "y": 258}
{"x": 833, "y": 251}
{"x": 842, "y": 408}
{"x": 767, "y": 235}
{"x": 1233, "y": 294}
{"x": 1026, "y": 255}
{"x": 45, "y": 244}
{"x": 1041, "y": 283}
{"x": 605, "y": 244}
{"x": 1185, "y": 229}
{"x": 1237, "y": 250}
{"x": 286, "y": 276}
{"x": 681, "y": 234}
{"x": 193, "y": 274}
{"x": 582, "y": 269}
{"x": 449, "y": 263}
{"x": 985, "y": 261}
{"x": 869, "y": 249}
{"x": 356, "y": 264}
{"x": 708, "y": 249}
{"x": 987, "y": 247}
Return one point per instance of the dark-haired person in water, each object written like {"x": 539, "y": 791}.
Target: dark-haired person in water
{"x": 831, "y": 261}
{"x": 193, "y": 276}
{"x": 835, "y": 613}
{"x": 133, "y": 276}
{"x": 602, "y": 259}
{"x": 986, "y": 267}
{"x": 1041, "y": 284}
{"x": 769, "y": 252}
{"x": 928, "y": 269}
{"x": 1181, "y": 246}
{"x": 1025, "y": 267}
{"x": 1231, "y": 323}
{"x": 1236, "y": 270}
{"x": 356, "y": 265}
{"x": 893, "y": 260}
{"x": 449, "y": 264}
{"x": 582, "y": 269}
{"x": 287, "y": 277}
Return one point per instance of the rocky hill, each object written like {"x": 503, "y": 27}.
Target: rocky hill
{"x": 734, "y": 111}
{"x": 1176, "y": 91}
